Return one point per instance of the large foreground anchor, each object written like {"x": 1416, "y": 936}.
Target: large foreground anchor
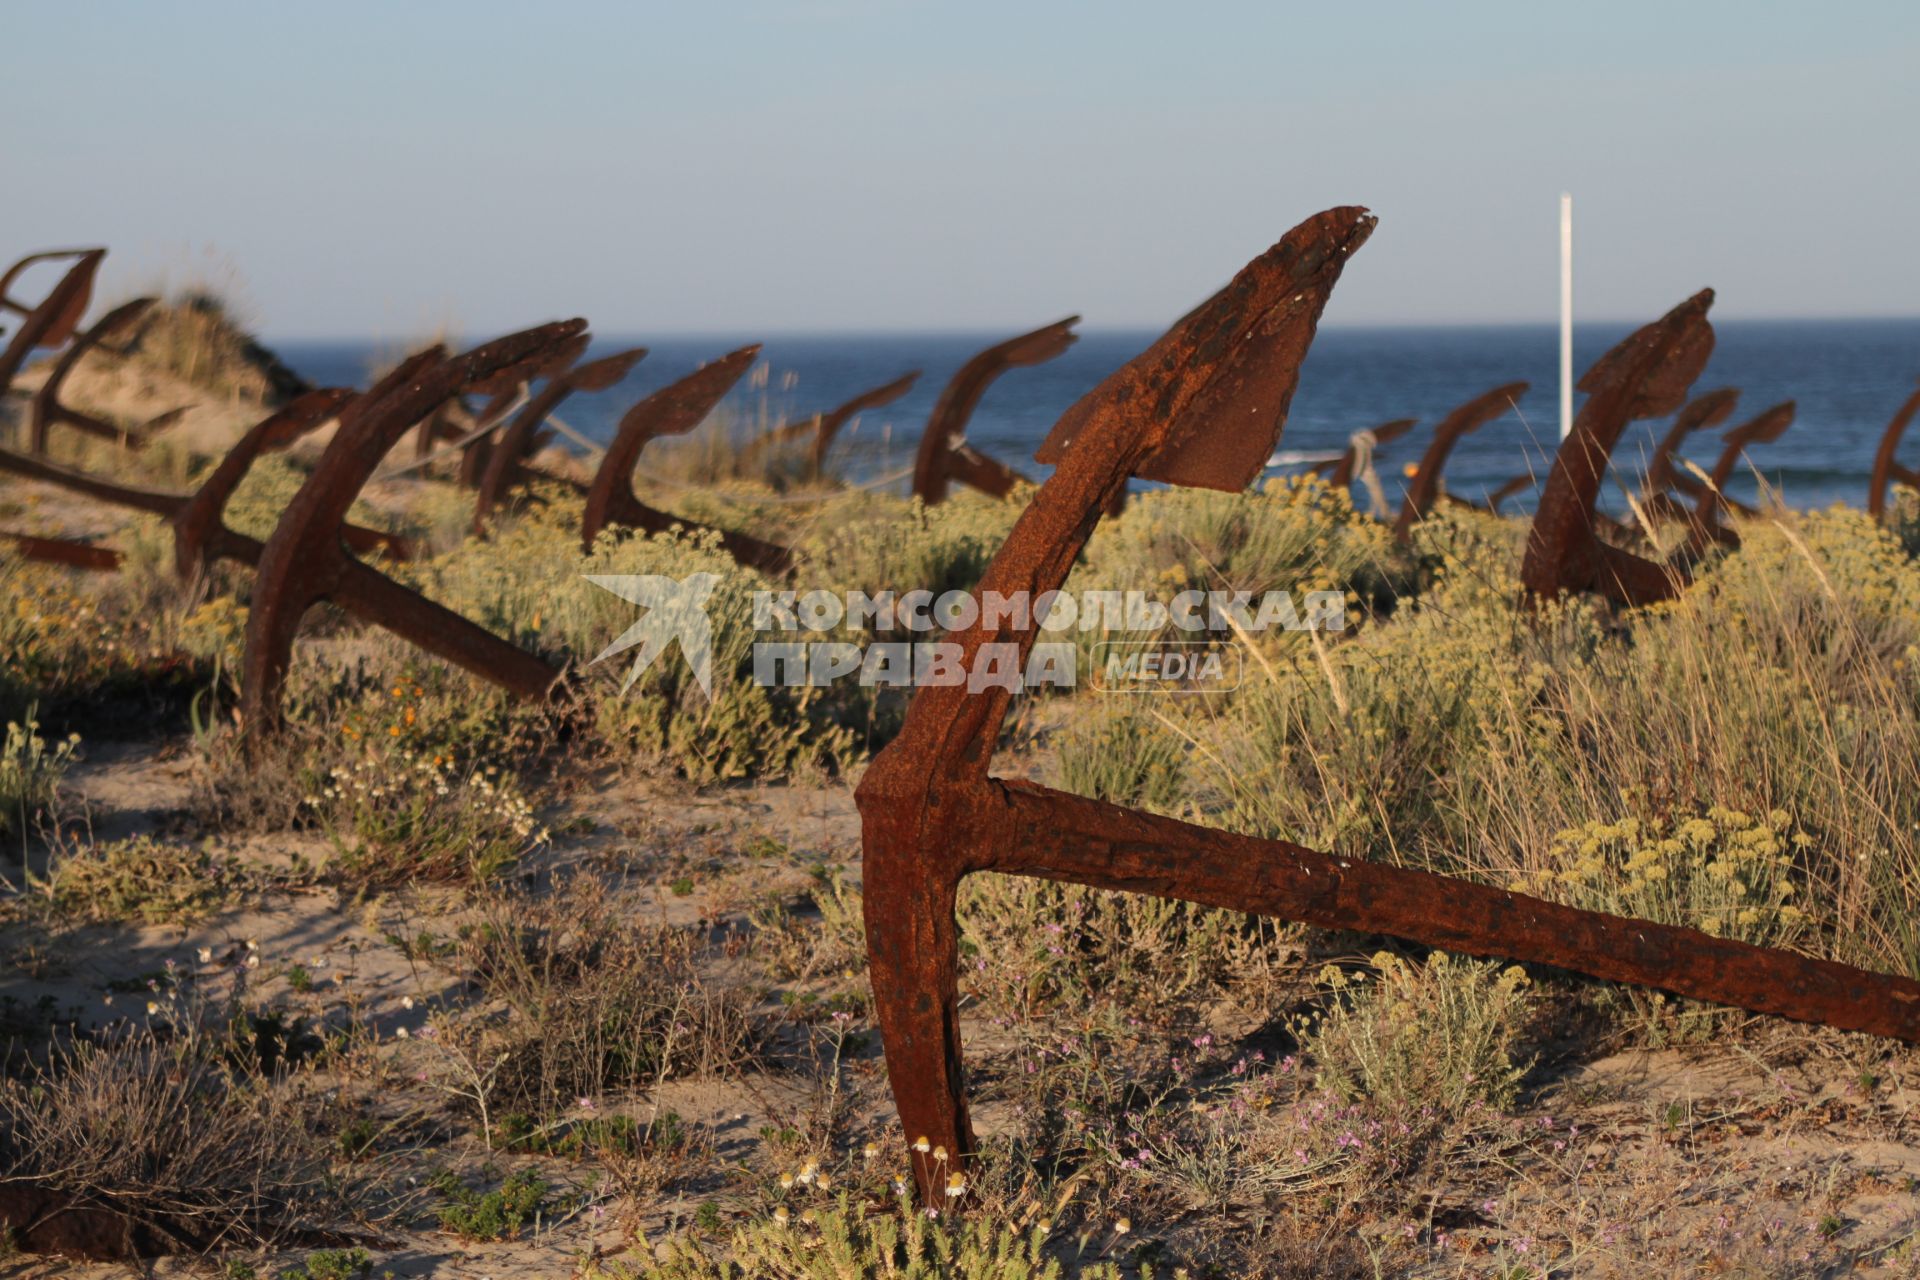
{"x": 305, "y": 561}
{"x": 1204, "y": 405}
{"x": 944, "y": 455}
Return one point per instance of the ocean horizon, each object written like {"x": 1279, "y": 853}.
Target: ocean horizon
{"x": 1847, "y": 377}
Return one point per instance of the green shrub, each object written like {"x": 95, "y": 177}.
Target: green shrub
{"x": 1292, "y": 534}
{"x": 332, "y": 1264}
{"x": 1030, "y": 946}
{"x": 531, "y": 585}
{"x": 499, "y": 1214}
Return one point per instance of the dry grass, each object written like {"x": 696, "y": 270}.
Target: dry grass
{"x": 651, "y": 1026}
{"x": 164, "y": 1128}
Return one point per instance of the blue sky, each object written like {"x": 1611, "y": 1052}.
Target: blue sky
{"x": 361, "y": 170}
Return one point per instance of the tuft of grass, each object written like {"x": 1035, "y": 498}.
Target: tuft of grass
{"x": 1126, "y": 757}
{"x": 332, "y": 1264}
{"x": 167, "y": 1131}
{"x": 1439, "y": 1036}
{"x": 396, "y": 817}
{"x": 30, "y": 773}
{"x": 594, "y": 1003}
{"x": 196, "y": 337}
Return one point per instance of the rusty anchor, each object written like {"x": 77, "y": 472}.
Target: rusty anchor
{"x": 944, "y": 456}
{"x": 1885, "y": 468}
{"x": 62, "y": 551}
{"x": 1204, "y": 405}
{"x": 199, "y": 536}
{"x": 49, "y": 412}
{"x": 673, "y": 410}
{"x": 55, "y": 318}
{"x": 1425, "y": 490}
{"x": 1701, "y": 413}
{"x": 306, "y": 561}
{"x": 1707, "y": 519}
{"x": 1645, "y": 376}
{"x": 508, "y": 461}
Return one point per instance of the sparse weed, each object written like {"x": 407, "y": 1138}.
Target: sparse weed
{"x": 30, "y": 773}
{"x": 168, "y": 1132}
{"x": 1438, "y": 1036}
{"x": 851, "y": 1238}
{"x": 595, "y": 1003}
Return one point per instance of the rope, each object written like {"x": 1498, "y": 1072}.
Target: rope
{"x": 455, "y": 446}
{"x": 567, "y": 431}
{"x": 1363, "y": 443}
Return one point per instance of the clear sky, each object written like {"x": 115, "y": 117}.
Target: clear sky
{"x": 363, "y": 170}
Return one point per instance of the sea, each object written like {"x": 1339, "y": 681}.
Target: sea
{"x": 1847, "y": 377}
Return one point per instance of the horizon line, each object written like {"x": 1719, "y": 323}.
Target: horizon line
{"x": 267, "y": 335}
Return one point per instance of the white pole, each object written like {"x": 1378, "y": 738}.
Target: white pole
{"x": 1566, "y": 315}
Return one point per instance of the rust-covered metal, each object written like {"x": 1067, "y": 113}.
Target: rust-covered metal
{"x": 200, "y": 534}
{"x": 1702, "y": 413}
{"x": 1713, "y": 504}
{"x": 824, "y": 427}
{"x": 1646, "y": 376}
{"x": 1426, "y": 490}
{"x": 48, "y": 411}
{"x": 1886, "y": 467}
{"x": 305, "y": 561}
{"x": 508, "y": 461}
{"x": 48, "y": 323}
{"x": 944, "y": 456}
{"x": 199, "y": 537}
{"x": 61, "y": 551}
{"x": 671, "y": 411}
{"x": 1210, "y": 398}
